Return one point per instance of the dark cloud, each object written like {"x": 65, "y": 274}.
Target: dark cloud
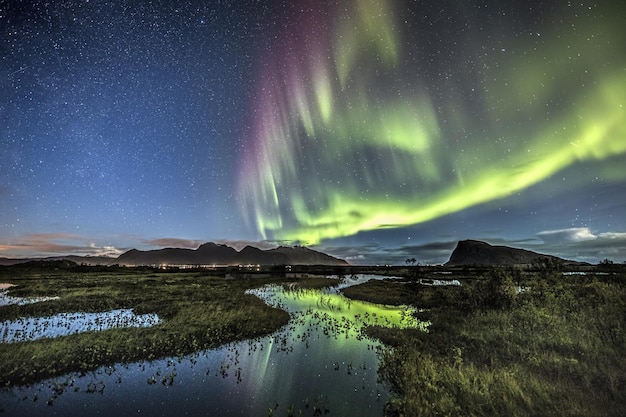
{"x": 610, "y": 245}
{"x": 577, "y": 244}
{"x": 375, "y": 254}
{"x": 363, "y": 254}
{"x": 55, "y": 244}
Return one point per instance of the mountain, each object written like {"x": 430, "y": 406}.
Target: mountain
{"x": 300, "y": 255}
{"x": 207, "y": 254}
{"x": 215, "y": 254}
{"x": 474, "y": 252}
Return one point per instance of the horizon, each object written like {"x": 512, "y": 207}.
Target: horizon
{"x": 373, "y": 131}
{"x": 240, "y": 247}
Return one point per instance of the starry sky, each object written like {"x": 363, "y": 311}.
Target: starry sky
{"x": 373, "y": 130}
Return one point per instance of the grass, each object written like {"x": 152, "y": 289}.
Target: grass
{"x": 389, "y": 292}
{"x": 197, "y": 312}
{"x": 555, "y": 349}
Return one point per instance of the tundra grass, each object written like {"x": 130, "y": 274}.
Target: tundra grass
{"x": 556, "y": 349}
{"x": 197, "y": 312}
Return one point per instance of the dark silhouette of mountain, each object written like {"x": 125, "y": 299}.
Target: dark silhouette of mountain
{"x": 207, "y": 254}
{"x": 256, "y": 256}
{"x": 474, "y": 252}
{"x": 300, "y": 255}
{"x": 216, "y": 254}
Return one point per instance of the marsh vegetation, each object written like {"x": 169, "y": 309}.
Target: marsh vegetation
{"x": 503, "y": 342}
{"x": 196, "y": 312}
{"x": 510, "y": 342}
{"x": 316, "y": 362}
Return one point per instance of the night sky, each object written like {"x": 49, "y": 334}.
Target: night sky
{"x": 372, "y": 130}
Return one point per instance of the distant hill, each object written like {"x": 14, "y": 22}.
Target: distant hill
{"x": 474, "y": 252}
{"x": 212, "y": 253}
{"x": 207, "y": 254}
{"x": 87, "y": 260}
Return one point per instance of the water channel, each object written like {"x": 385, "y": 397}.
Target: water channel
{"x": 319, "y": 364}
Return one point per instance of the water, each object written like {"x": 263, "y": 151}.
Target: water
{"x": 319, "y": 364}
{"x": 64, "y": 324}
{"x": 6, "y": 299}
{"x": 440, "y": 282}
{"x": 33, "y": 328}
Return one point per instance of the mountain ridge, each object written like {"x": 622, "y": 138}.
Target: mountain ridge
{"x": 467, "y": 253}
{"x": 209, "y": 253}
{"x": 475, "y": 252}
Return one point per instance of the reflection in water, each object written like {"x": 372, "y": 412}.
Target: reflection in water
{"x": 319, "y": 364}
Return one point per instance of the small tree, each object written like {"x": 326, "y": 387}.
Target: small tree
{"x": 495, "y": 291}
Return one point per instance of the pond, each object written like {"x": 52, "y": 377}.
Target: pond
{"x": 6, "y": 299}
{"x": 32, "y": 328}
{"x": 319, "y": 364}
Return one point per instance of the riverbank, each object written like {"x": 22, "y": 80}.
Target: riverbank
{"x": 508, "y": 344}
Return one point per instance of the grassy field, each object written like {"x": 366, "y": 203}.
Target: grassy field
{"x": 512, "y": 343}
{"x": 197, "y": 312}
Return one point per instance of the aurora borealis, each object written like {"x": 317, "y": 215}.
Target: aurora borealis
{"x": 374, "y": 130}
{"x": 350, "y": 137}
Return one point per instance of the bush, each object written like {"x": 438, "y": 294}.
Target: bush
{"x": 495, "y": 291}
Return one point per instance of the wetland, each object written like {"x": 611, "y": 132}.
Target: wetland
{"x": 193, "y": 342}
{"x": 203, "y": 346}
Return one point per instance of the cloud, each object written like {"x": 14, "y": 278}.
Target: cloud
{"x": 42, "y": 242}
{"x": 577, "y": 244}
{"x": 37, "y": 245}
{"x": 581, "y": 244}
{"x": 356, "y": 258}
{"x": 374, "y": 254}
{"x": 613, "y": 235}
{"x": 110, "y": 251}
{"x": 598, "y": 250}
{"x": 571, "y": 235}
{"x": 366, "y": 254}
{"x": 172, "y": 242}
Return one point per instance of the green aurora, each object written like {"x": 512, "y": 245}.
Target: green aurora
{"x": 356, "y": 133}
